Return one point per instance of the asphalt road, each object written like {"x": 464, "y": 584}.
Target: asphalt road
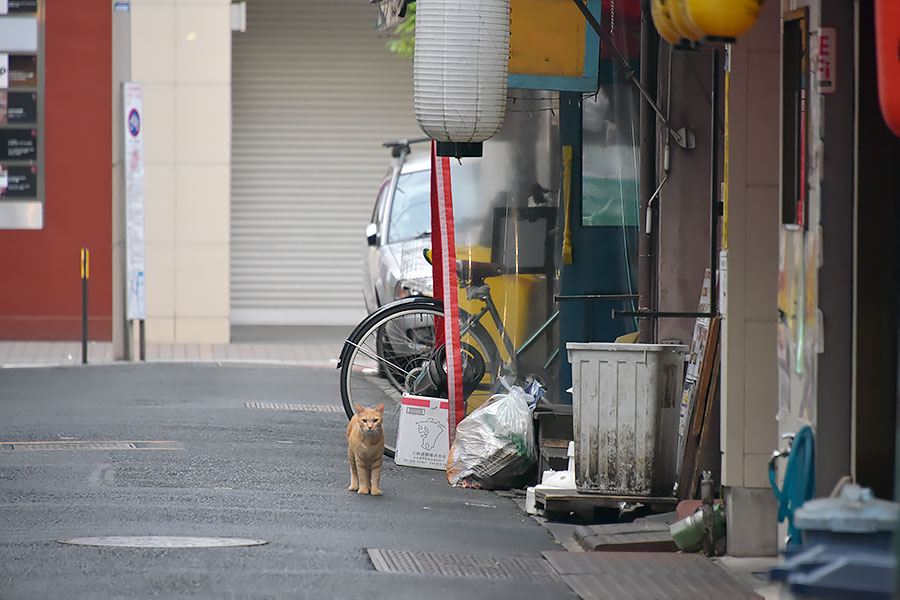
{"x": 257, "y": 473}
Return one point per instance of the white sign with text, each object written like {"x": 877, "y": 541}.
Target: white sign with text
{"x": 132, "y": 94}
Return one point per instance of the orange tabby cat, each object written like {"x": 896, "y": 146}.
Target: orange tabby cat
{"x": 365, "y": 447}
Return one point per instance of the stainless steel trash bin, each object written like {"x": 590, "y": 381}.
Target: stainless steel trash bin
{"x": 626, "y": 408}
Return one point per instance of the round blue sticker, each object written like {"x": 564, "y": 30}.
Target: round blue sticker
{"x": 134, "y": 122}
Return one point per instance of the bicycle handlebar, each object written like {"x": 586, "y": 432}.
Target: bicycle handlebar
{"x": 402, "y": 143}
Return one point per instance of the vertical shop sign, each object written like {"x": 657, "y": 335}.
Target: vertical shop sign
{"x": 827, "y": 60}
{"x": 134, "y": 200}
{"x": 443, "y": 244}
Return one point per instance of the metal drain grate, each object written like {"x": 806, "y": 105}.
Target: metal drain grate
{"x": 107, "y": 445}
{"x": 462, "y": 565}
{"x": 297, "y": 407}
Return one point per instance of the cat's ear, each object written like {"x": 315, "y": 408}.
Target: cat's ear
{"x": 359, "y": 408}
{"x": 380, "y": 409}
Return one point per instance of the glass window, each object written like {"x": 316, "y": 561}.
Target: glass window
{"x": 411, "y": 209}
{"x": 378, "y": 211}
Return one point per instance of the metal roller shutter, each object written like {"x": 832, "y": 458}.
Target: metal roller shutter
{"x": 314, "y": 95}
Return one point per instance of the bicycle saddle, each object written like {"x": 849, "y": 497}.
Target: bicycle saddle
{"x": 473, "y": 272}
{"x": 476, "y": 272}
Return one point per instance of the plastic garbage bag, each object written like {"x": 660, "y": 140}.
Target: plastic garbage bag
{"x": 494, "y": 446}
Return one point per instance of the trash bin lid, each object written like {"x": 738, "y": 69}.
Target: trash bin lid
{"x": 856, "y": 510}
{"x": 614, "y": 347}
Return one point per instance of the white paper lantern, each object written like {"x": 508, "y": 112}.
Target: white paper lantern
{"x": 460, "y": 68}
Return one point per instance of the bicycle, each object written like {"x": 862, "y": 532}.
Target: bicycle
{"x": 393, "y": 351}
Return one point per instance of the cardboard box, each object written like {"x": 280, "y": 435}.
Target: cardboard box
{"x": 423, "y": 437}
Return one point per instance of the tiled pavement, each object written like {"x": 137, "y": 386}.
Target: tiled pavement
{"x": 317, "y": 347}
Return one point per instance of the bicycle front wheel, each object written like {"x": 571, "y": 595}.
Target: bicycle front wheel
{"x": 390, "y": 349}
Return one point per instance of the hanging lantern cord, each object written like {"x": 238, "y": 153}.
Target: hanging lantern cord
{"x": 681, "y": 136}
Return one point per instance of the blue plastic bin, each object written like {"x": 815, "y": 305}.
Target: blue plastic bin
{"x": 845, "y": 550}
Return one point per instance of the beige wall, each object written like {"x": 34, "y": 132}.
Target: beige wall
{"x": 181, "y": 53}
{"x": 749, "y": 376}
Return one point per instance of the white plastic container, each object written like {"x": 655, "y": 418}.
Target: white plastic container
{"x": 553, "y": 481}
{"x": 626, "y": 407}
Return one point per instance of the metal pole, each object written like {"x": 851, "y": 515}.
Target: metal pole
{"x": 647, "y": 177}
{"x": 85, "y": 275}
{"x": 645, "y": 315}
{"x": 142, "y": 341}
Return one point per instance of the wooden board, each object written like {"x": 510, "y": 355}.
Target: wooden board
{"x": 707, "y": 384}
{"x": 564, "y": 501}
{"x": 708, "y": 455}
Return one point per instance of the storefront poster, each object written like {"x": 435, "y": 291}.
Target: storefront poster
{"x": 13, "y": 7}
{"x": 18, "y": 107}
{"x": 18, "y": 144}
{"x": 811, "y": 303}
{"x": 134, "y": 200}
{"x": 785, "y": 336}
{"x": 18, "y": 182}
{"x": 22, "y": 71}
{"x": 694, "y": 365}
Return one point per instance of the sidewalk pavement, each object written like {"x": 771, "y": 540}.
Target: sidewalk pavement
{"x": 309, "y": 347}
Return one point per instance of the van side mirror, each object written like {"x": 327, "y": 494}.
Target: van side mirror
{"x": 371, "y": 233}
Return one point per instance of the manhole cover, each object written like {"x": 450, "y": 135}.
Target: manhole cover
{"x": 297, "y": 407}
{"x": 162, "y": 541}
{"x": 462, "y": 565}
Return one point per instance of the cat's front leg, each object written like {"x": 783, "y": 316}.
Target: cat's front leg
{"x": 365, "y": 476}
{"x": 376, "y": 479}
{"x": 354, "y": 479}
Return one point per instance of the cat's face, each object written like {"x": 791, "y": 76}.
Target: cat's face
{"x": 370, "y": 419}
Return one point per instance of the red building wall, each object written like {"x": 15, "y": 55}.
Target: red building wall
{"x": 40, "y": 279}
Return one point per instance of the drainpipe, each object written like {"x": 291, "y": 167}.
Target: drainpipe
{"x": 647, "y": 176}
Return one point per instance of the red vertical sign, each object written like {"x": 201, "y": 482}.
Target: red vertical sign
{"x": 443, "y": 244}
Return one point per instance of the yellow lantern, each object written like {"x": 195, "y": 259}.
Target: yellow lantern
{"x": 678, "y": 11}
{"x": 659, "y": 10}
{"x": 721, "y": 20}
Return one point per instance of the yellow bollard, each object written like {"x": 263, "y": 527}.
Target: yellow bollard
{"x": 85, "y": 275}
